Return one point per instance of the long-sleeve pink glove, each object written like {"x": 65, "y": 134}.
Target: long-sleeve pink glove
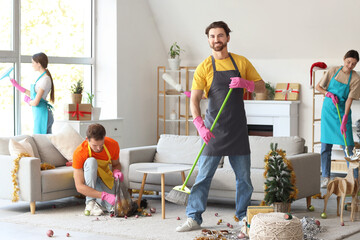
{"x": 27, "y": 99}
{"x": 118, "y": 174}
{"x": 187, "y": 93}
{"x": 333, "y": 97}
{"x": 15, "y": 84}
{"x": 343, "y": 125}
{"x": 237, "y": 82}
{"x": 110, "y": 198}
{"x": 204, "y": 133}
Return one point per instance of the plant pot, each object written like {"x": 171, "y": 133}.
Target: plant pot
{"x": 281, "y": 207}
{"x": 174, "y": 63}
{"x": 262, "y": 96}
{"x": 95, "y": 113}
{"x": 76, "y": 98}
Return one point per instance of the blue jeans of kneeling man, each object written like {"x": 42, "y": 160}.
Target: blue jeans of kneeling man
{"x": 92, "y": 180}
{"x": 200, "y": 190}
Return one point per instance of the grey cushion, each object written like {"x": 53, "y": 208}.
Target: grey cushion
{"x": 58, "y": 179}
{"x": 4, "y": 144}
{"x": 48, "y": 153}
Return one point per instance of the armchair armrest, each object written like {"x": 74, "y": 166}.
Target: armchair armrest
{"x": 29, "y": 178}
{"x": 307, "y": 171}
{"x": 129, "y": 156}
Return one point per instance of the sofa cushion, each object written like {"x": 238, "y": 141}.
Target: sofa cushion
{"x": 4, "y": 144}
{"x": 48, "y": 153}
{"x": 22, "y": 146}
{"x": 177, "y": 149}
{"x": 260, "y": 146}
{"x": 57, "y": 179}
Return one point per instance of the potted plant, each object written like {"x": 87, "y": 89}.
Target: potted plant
{"x": 268, "y": 94}
{"x": 280, "y": 189}
{"x": 76, "y": 91}
{"x": 174, "y": 53}
{"x": 95, "y": 113}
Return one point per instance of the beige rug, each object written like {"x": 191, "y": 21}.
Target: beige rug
{"x": 68, "y": 215}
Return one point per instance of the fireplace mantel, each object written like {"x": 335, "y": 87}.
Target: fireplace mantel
{"x": 282, "y": 115}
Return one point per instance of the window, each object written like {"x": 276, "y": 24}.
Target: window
{"x": 63, "y": 30}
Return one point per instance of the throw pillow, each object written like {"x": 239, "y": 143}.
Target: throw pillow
{"x": 23, "y": 146}
{"x": 66, "y": 141}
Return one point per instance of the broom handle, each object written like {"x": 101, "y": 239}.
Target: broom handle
{"x": 204, "y": 144}
{"x": 346, "y": 148}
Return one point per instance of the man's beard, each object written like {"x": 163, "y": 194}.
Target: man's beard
{"x": 218, "y": 47}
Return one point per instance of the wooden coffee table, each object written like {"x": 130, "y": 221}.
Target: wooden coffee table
{"x": 169, "y": 168}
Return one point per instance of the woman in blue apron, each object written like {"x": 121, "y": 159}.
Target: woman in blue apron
{"x": 36, "y": 96}
{"x": 340, "y": 85}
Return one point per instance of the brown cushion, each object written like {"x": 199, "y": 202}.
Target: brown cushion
{"x": 48, "y": 153}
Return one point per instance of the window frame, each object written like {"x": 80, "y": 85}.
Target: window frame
{"x": 14, "y": 56}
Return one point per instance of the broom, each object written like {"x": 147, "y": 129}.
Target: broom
{"x": 180, "y": 194}
{"x": 346, "y": 147}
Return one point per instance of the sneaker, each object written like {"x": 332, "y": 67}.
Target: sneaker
{"x": 189, "y": 225}
{"x": 325, "y": 182}
{"x": 243, "y": 222}
{"x": 93, "y": 207}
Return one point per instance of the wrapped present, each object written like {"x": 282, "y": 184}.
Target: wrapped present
{"x": 287, "y": 91}
{"x": 253, "y": 210}
{"x": 78, "y": 112}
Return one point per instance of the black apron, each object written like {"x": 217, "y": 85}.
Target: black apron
{"x": 231, "y": 132}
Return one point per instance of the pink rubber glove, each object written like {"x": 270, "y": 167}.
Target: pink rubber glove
{"x": 187, "y": 93}
{"x": 237, "y": 82}
{"x": 27, "y": 99}
{"x": 204, "y": 133}
{"x": 343, "y": 125}
{"x": 15, "y": 84}
{"x": 118, "y": 174}
{"x": 333, "y": 97}
{"x": 110, "y": 198}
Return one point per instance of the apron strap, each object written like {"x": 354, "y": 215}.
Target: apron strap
{"x": 232, "y": 60}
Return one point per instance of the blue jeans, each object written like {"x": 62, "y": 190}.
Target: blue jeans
{"x": 200, "y": 190}
{"x": 92, "y": 180}
{"x": 326, "y": 159}
{"x": 50, "y": 121}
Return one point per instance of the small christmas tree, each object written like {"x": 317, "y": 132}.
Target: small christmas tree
{"x": 280, "y": 178}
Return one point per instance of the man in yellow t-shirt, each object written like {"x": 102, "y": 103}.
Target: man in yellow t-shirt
{"x": 92, "y": 175}
{"x": 213, "y": 78}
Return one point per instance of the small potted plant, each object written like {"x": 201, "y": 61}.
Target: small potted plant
{"x": 76, "y": 91}
{"x": 174, "y": 53}
{"x": 95, "y": 112}
{"x": 280, "y": 189}
{"x": 268, "y": 94}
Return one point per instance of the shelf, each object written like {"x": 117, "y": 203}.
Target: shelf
{"x": 172, "y": 95}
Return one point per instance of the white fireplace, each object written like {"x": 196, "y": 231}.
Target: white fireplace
{"x": 281, "y": 115}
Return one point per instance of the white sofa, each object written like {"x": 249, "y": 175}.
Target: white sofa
{"x": 36, "y": 185}
{"x": 174, "y": 149}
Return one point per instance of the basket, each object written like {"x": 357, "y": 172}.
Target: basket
{"x": 281, "y": 207}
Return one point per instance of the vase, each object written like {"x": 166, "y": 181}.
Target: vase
{"x": 262, "y": 96}
{"x": 95, "y": 113}
{"x": 174, "y": 63}
{"x": 281, "y": 207}
{"x": 76, "y": 98}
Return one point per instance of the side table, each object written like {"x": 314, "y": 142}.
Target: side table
{"x": 169, "y": 168}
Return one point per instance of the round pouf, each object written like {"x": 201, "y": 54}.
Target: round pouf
{"x": 266, "y": 226}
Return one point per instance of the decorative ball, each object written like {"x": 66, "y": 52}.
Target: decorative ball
{"x": 87, "y": 213}
{"x": 218, "y": 223}
{"x": 68, "y": 235}
{"x": 136, "y": 216}
{"x": 228, "y": 224}
{"x": 50, "y": 233}
{"x": 178, "y": 218}
{"x": 153, "y": 210}
{"x": 241, "y": 235}
{"x": 323, "y": 215}
{"x": 125, "y": 217}
{"x": 317, "y": 222}
{"x": 216, "y": 214}
{"x": 311, "y": 208}
{"x": 342, "y": 224}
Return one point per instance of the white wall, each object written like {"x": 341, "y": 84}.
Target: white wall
{"x": 282, "y": 38}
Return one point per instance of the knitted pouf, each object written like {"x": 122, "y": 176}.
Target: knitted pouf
{"x": 266, "y": 226}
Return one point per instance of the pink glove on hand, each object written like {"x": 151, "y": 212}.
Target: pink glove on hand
{"x": 15, "y": 84}
{"x": 204, "y": 133}
{"x": 27, "y": 99}
{"x": 334, "y": 98}
{"x": 187, "y": 93}
{"x": 110, "y": 198}
{"x": 343, "y": 125}
{"x": 237, "y": 82}
{"x": 118, "y": 175}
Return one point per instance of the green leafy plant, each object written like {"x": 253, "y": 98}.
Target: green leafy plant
{"x": 77, "y": 87}
{"x": 279, "y": 177}
{"x": 175, "y": 50}
{"x": 90, "y": 98}
{"x": 271, "y": 90}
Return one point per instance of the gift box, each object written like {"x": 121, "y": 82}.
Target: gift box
{"x": 287, "y": 91}
{"x": 253, "y": 210}
{"x": 77, "y": 112}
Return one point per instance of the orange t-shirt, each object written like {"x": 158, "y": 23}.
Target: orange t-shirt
{"x": 82, "y": 152}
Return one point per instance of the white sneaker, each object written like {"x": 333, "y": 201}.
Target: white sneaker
{"x": 325, "y": 182}
{"x": 189, "y": 225}
{"x": 93, "y": 207}
{"x": 243, "y": 222}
